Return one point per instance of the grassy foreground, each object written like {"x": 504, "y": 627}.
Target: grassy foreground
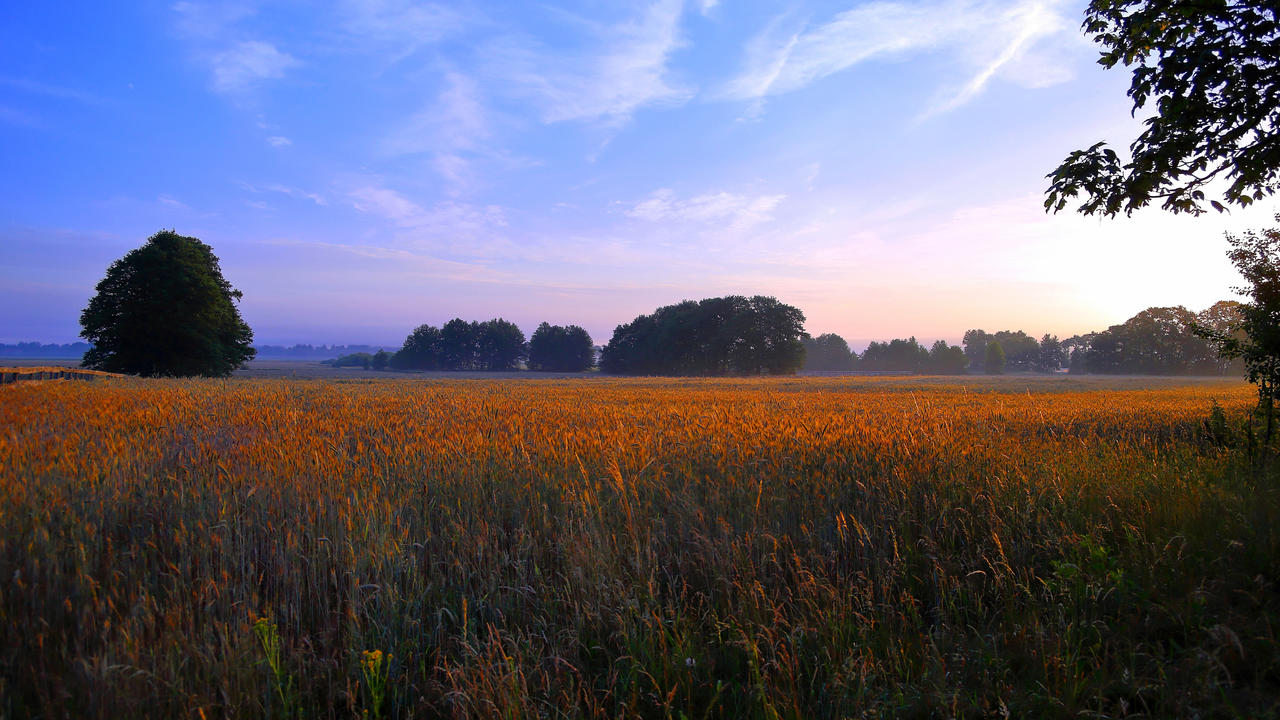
{"x": 802, "y": 548}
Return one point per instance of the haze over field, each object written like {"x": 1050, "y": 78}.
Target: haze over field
{"x": 372, "y": 166}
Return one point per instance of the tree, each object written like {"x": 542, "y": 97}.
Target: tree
{"x": 458, "y": 345}
{"x": 1051, "y": 356}
{"x": 165, "y": 309}
{"x": 975, "y": 348}
{"x": 732, "y": 335}
{"x": 499, "y": 345}
{"x": 1211, "y": 69}
{"x": 946, "y": 359}
{"x": 993, "y": 363}
{"x": 1257, "y": 256}
{"x": 554, "y": 348}
{"x": 827, "y": 352}
{"x": 897, "y": 355}
{"x": 422, "y": 350}
{"x": 380, "y": 360}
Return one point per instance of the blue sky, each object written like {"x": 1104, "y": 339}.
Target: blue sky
{"x": 376, "y": 164}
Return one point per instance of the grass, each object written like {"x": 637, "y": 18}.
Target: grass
{"x": 766, "y": 548}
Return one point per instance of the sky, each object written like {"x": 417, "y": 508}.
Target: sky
{"x": 366, "y": 166}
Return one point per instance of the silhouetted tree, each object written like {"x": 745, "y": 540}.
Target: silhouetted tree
{"x": 1257, "y": 256}
{"x": 165, "y": 309}
{"x": 499, "y": 345}
{"x": 827, "y": 352}
{"x": 422, "y": 350}
{"x": 380, "y": 360}
{"x": 946, "y": 359}
{"x": 975, "y": 348}
{"x": 732, "y": 335}
{"x": 554, "y": 348}
{"x": 1051, "y": 357}
{"x": 1210, "y": 68}
{"x": 900, "y": 355}
{"x": 359, "y": 359}
{"x": 993, "y": 362}
{"x": 458, "y": 345}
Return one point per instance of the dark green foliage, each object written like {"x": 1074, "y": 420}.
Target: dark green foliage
{"x": 1212, "y": 70}
{"x": 422, "y": 350}
{"x": 897, "y": 355}
{"x": 994, "y": 360}
{"x": 1257, "y": 256}
{"x": 165, "y": 309}
{"x": 827, "y": 352}
{"x": 381, "y": 360}
{"x": 1051, "y": 356}
{"x": 461, "y": 345}
{"x": 359, "y": 359}
{"x": 555, "y": 348}
{"x": 732, "y": 335}
{"x": 1156, "y": 341}
{"x": 975, "y": 348}
{"x": 946, "y": 359}
{"x": 499, "y": 345}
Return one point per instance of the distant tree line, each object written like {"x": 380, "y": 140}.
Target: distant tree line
{"x": 303, "y": 351}
{"x": 43, "y": 350}
{"x": 492, "y": 345}
{"x": 733, "y": 335}
{"x": 1156, "y": 341}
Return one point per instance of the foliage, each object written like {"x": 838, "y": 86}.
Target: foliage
{"x": 743, "y": 548}
{"x": 381, "y": 360}
{"x": 1210, "y": 67}
{"x": 358, "y": 359}
{"x": 555, "y": 348}
{"x": 827, "y": 352}
{"x": 946, "y": 359}
{"x": 732, "y": 335}
{"x": 993, "y": 362}
{"x": 1156, "y": 341}
{"x": 460, "y": 345}
{"x": 896, "y": 355}
{"x": 165, "y": 309}
{"x": 422, "y": 350}
{"x": 1050, "y": 357}
{"x": 1257, "y": 256}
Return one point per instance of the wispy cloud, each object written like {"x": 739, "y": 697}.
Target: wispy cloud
{"x": 983, "y": 38}
{"x": 292, "y": 192}
{"x": 447, "y": 221}
{"x": 237, "y": 60}
{"x": 246, "y": 63}
{"x": 625, "y": 68}
{"x": 35, "y": 87}
{"x": 279, "y": 141}
{"x": 732, "y": 210}
{"x": 398, "y": 28}
{"x": 450, "y": 129}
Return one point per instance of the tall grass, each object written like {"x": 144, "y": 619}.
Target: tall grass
{"x": 810, "y": 548}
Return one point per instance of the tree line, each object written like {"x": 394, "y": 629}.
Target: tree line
{"x": 492, "y": 345}
{"x": 1156, "y": 341}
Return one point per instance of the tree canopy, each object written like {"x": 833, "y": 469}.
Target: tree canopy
{"x": 827, "y": 352}
{"x": 460, "y": 345}
{"x": 1257, "y": 256}
{"x": 1212, "y": 70}
{"x": 165, "y": 309}
{"x": 732, "y": 335}
{"x": 554, "y": 348}
{"x": 1156, "y": 341}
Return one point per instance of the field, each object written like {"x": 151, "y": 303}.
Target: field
{"x": 763, "y": 548}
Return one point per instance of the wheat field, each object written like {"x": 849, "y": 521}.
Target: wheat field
{"x": 598, "y": 548}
